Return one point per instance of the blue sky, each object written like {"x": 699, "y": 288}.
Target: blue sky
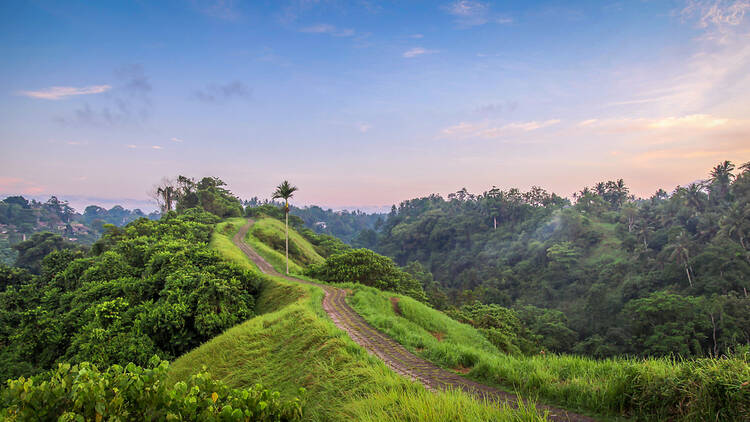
{"x": 369, "y": 103}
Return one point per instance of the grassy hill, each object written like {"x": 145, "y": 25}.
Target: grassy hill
{"x": 650, "y": 389}
{"x": 292, "y": 344}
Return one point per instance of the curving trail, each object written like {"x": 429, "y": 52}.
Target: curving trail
{"x": 392, "y": 353}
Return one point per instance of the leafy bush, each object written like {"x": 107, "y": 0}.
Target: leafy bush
{"x": 153, "y": 287}
{"x": 500, "y": 325}
{"x": 131, "y": 393}
{"x": 366, "y": 267}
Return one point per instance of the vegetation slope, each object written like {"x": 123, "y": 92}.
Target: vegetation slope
{"x": 647, "y": 389}
{"x": 293, "y": 344}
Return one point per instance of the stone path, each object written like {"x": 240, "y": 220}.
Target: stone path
{"x": 392, "y": 353}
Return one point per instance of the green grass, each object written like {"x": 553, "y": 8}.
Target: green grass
{"x": 268, "y": 235}
{"x": 422, "y": 406}
{"x": 648, "y": 389}
{"x": 293, "y": 344}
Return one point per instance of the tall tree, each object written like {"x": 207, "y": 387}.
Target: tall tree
{"x": 681, "y": 253}
{"x": 165, "y": 194}
{"x": 285, "y": 191}
{"x": 721, "y": 177}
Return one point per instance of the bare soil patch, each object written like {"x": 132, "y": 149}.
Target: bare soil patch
{"x": 396, "y": 308}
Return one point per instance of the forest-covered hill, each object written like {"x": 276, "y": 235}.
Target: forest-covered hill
{"x": 604, "y": 274}
{"x": 20, "y": 218}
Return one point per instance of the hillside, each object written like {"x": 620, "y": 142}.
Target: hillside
{"x": 606, "y": 275}
{"x": 291, "y": 344}
{"x": 21, "y": 218}
{"x": 651, "y": 390}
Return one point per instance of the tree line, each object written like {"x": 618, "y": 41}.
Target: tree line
{"x": 603, "y": 274}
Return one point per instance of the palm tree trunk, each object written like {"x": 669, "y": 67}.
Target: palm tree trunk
{"x": 687, "y": 271}
{"x": 286, "y": 235}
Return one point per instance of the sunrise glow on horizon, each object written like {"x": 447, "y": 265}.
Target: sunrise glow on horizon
{"x": 370, "y": 103}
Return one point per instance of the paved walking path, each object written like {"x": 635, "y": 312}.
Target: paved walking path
{"x": 392, "y": 353}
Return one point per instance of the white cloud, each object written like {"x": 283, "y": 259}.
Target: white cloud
{"x": 474, "y": 13}
{"x": 688, "y": 122}
{"x": 178, "y": 140}
{"x": 718, "y": 13}
{"x": 588, "y": 122}
{"x": 324, "y": 28}
{"x": 417, "y": 51}
{"x": 469, "y": 12}
{"x": 484, "y": 130}
{"x": 59, "y": 92}
{"x": 417, "y": 36}
{"x": 134, "y": 146}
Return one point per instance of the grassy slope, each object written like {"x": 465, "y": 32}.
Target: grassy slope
{"x": 652, "y": 389}
{"x": 293, "y": 344}
{"x": 301, "y": 252}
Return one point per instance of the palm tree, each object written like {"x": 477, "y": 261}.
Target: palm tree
{"x": 737, "y": 223}
{"x": 681, "y": 253}
{"x": 285, "y": 191}
{"x": 722, "y": 176}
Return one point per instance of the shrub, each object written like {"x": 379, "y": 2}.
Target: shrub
{"x": 369, "y": 268}
{"x": 131, "y": 393}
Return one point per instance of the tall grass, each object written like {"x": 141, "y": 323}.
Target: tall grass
{"x": 648, "y": 389}
{"x": 292, "y": 344}
{"x": 271, "y": 230}
{"x": 426, "y": 406}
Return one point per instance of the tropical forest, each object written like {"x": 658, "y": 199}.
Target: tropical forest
{"x": 375, "y": 211}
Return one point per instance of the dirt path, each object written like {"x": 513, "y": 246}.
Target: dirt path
{"x": 392, "y": 353}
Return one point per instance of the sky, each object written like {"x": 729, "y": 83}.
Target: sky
{"x": 368, "y": 103}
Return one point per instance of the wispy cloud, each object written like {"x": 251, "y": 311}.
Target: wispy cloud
{"x": 474, "y": 13}
{"x": 688, "y": 122}
{"x": 327, "y": 29}
{"x": 19, "y": 185}
{"x": 717, "y": 13}
{"x": 60, "y": 92}
{"x": 152, "y": 147}
{"x": 128, "y": 102}
{"x": 221, "y": 9}
{"x": 417, "y": 51}
{"x": 487, "y": 131}
{"x": 215, "y": 93}
{"x": 178, "y": 140}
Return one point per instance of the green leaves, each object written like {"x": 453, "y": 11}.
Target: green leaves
{"x": 83, "y": 393}
{"x": 153, "y": 287}
{"x": 369, "y": 268}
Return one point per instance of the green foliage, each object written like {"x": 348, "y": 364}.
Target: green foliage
{"x": 21, "y": 218}
{"x": 32, "y": 251}
{"x": 292, "y": 343}
{"x": 594, "y": 263}
{"x": 271, "y": 232}
{"x": 651, "y": 389}
{"x": 500, "y": 325}
{"x": 345, "y": 225}
{"x": 131, "y": 393}
{"x": 664, "y": 323}
{"x": 208, "y": 194}
{"x": 368, "y": 268}
{"x": 154, "y": 287}
{"x": 13, "y": 276}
